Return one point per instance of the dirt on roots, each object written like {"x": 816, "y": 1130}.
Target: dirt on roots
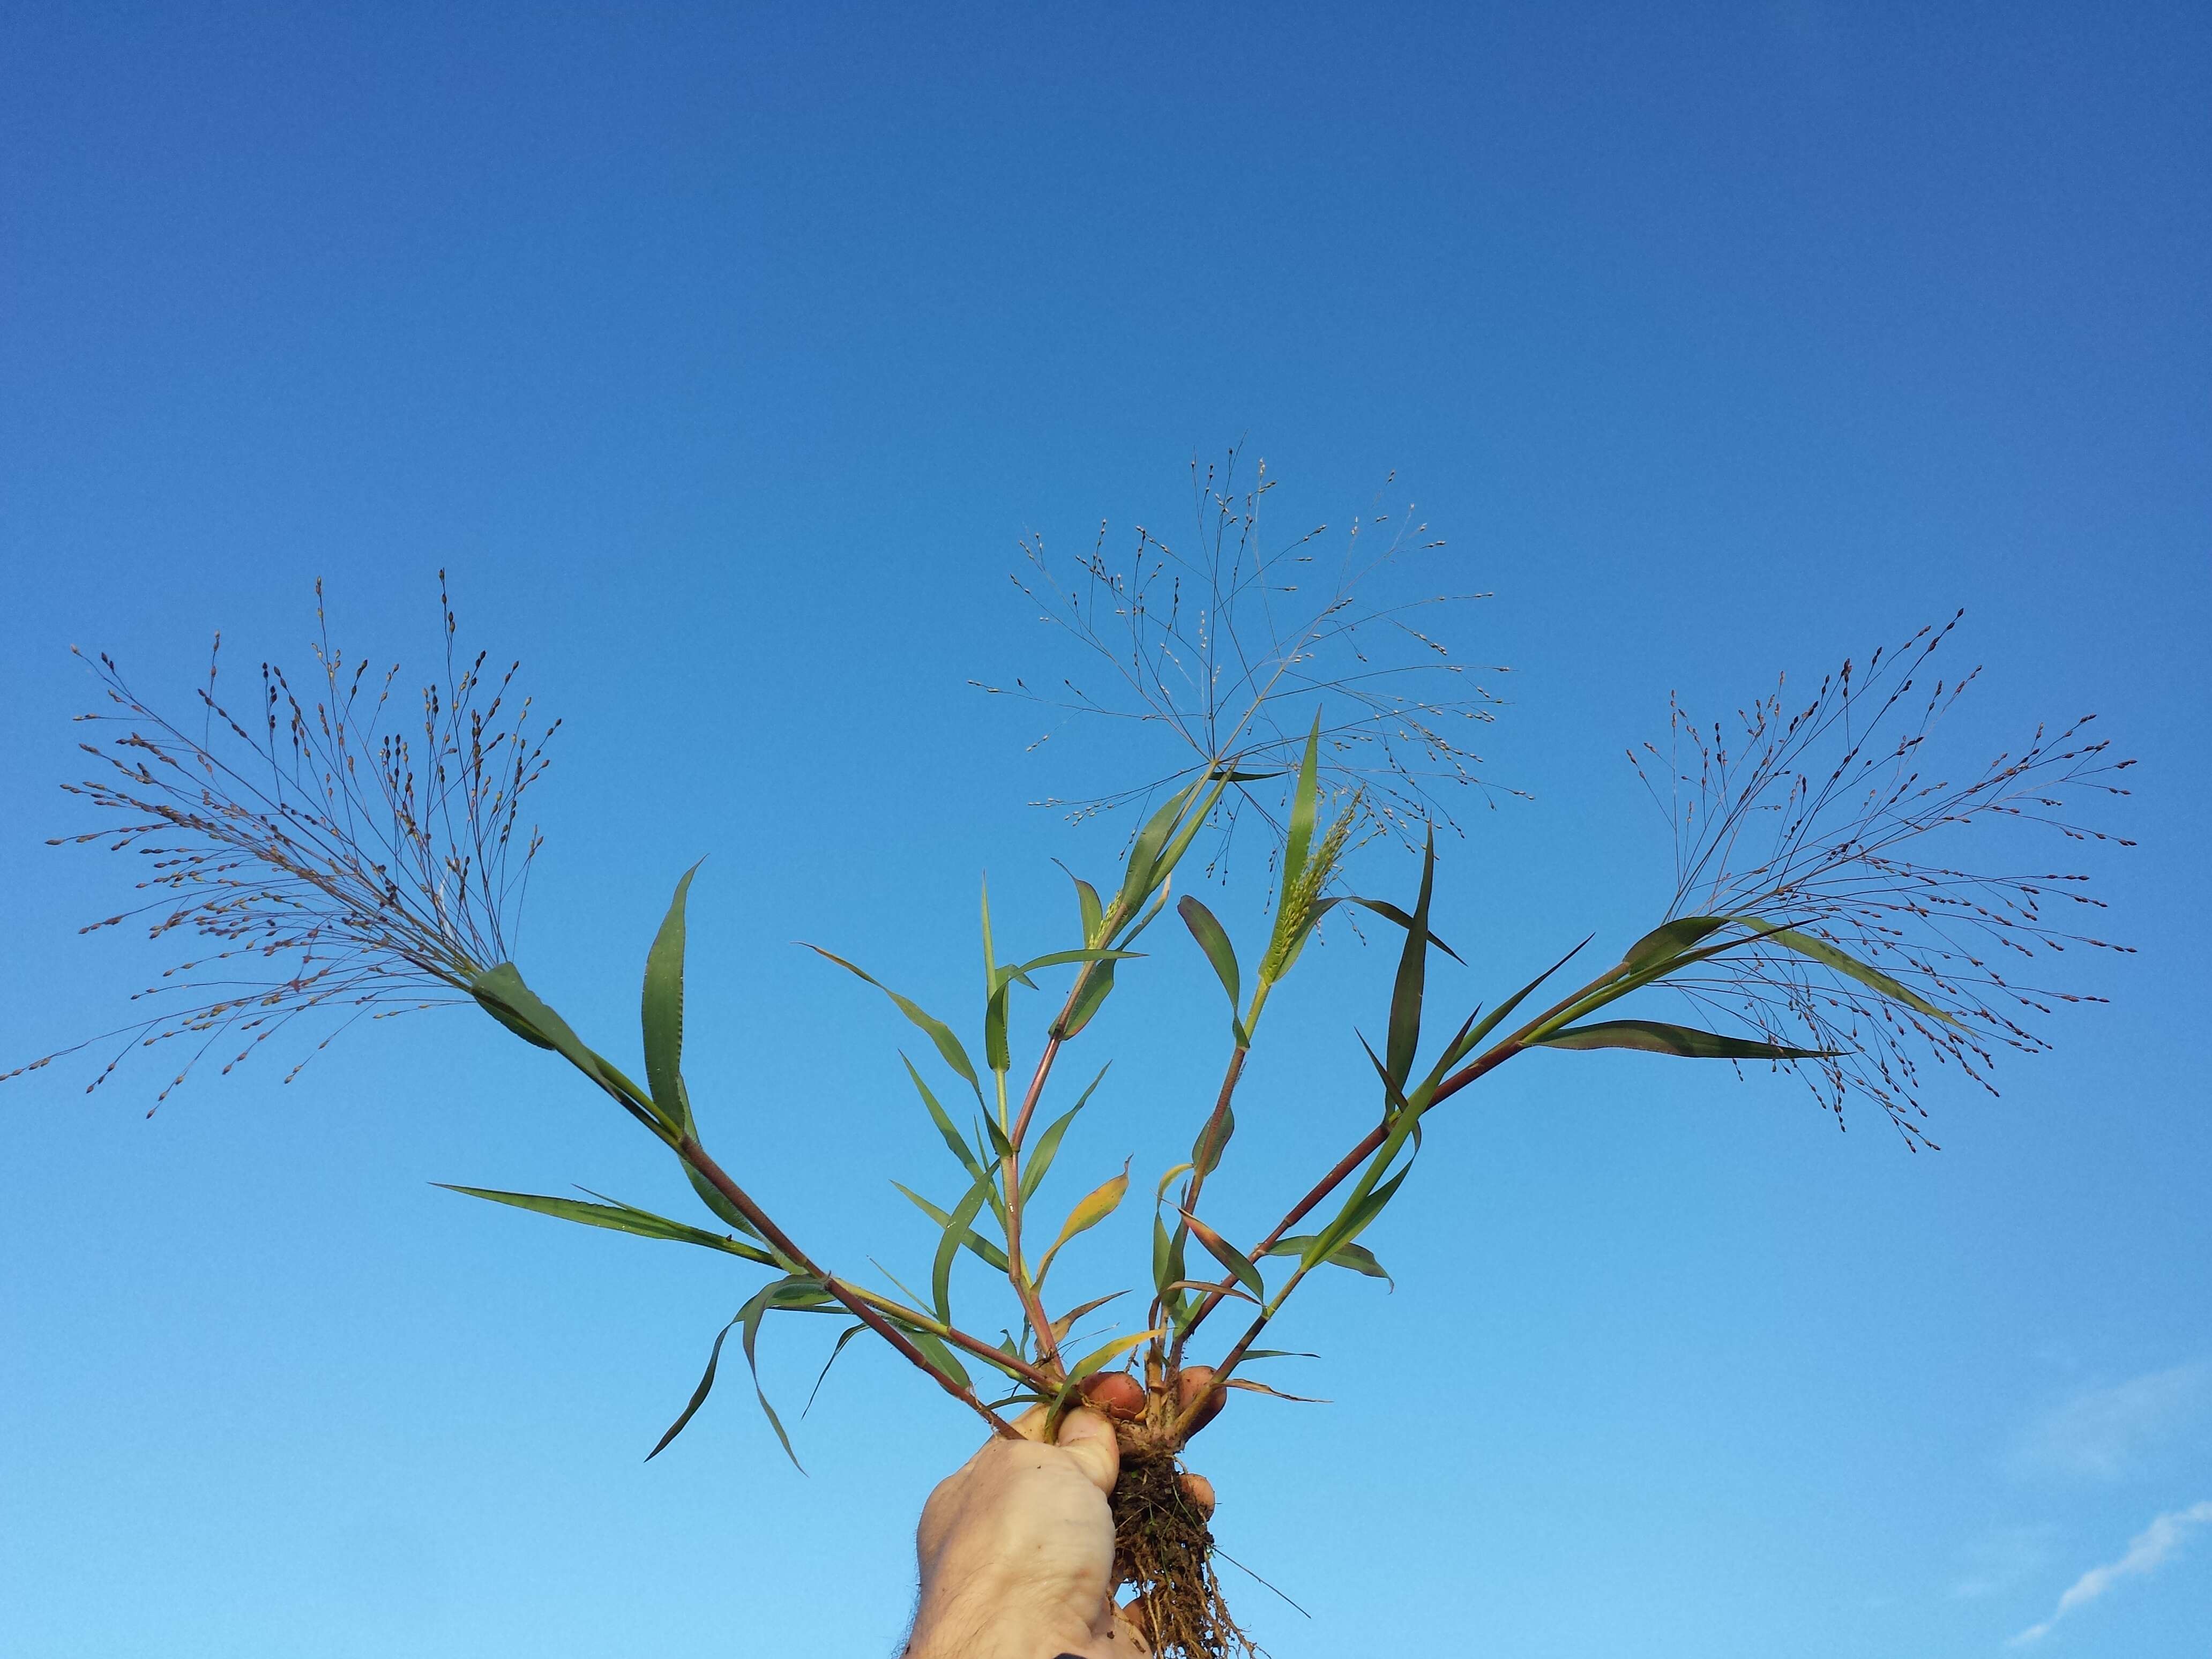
{"x": 1163, "y": 1550}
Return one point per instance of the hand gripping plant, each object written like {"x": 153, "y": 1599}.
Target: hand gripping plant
{"x": 382, "y": 870}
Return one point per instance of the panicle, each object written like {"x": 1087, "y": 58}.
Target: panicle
{"x": 1829, "y": 818}
{"x": 342, "y": 862}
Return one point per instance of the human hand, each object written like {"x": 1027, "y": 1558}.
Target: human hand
{"x": 1017, "y": 1550}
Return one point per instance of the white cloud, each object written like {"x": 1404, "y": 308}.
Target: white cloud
{"x": 2101, "y": 1433}
{"x": 2004, "y": 1560}
{"x": 2150, "y": 1549}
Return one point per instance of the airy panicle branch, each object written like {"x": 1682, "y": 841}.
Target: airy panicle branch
{"x": 1232, "y": 649}
{"x": 338, "y": 857}
{"x": 1837, "y": 820}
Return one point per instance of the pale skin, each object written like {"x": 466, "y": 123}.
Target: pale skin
{"x": 1017, "y": 1550}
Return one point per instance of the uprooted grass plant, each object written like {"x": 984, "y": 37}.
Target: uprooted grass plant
{"x": 1831, "y": 916}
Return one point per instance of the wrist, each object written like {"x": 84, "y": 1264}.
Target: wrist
{"x": 980, "y": 1629}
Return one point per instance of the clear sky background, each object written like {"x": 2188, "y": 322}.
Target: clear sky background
{"x": 721, "y": 355}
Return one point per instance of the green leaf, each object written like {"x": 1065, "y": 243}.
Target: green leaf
{"x": 698, "y": 1394}
{"x": 1306, "y": 802}
{"x": 1229, "y": 1256}
{"x": 1212, "y": 1141}
{"x": 997, "y": 1053}
{"x": 1172, "y": 854}
{"x": 939, "y": 1033}
{"x": 661, "y": 1013}
{"x": 843, "y": 1337}
{"x": 1358, "y": 1257}
{"x": 618, "y": 1218}
{"x": 1209, "y": 1287}
{"x": 953, "y": 1138}
{"x": 1097, "y": 986}
{"x": 1669, "y": 941}
{"x": 1167, "y": 1267}
{"x": 1261, "y": 1387}
{"x": 1496, "y": 1017}
{"x": 1107, "y": 1355}
{"x": 1356, "y": 1217}
{"x": 1062, "y": 958}
{"x": 662, "y": 1010}
{"x": 1066, "y": 1322}
{"x": 1047, "y": 1145}
{"x": 1093, "y": 912}
{"x": 502, "y": 993}
{"x": 1412, "y": 974}
{"x": 1656, "y": 1037}
{"x": 990, "y": 1253}
{"x": 794, "y": 1291}
{"x": 1390, "y": 912}
{"x": 1093, "y": 1208}
{"x": 1137, "y": 879}
{"x": 1391, "y": 1091}
{"x": 1214, "y": 941}
{"x": 938, "y": 1355}
{"x": 1809, "y": 944}
{"x": 948, "y": 1246}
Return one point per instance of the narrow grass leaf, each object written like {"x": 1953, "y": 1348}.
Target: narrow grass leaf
{"x": 1066, "y": 1322}
{"x": 843, "y": 1337}
{"x": 1047, "y": 1145}
{"x": 1229, "y": 1256}
{"x": 938, "y": 1115}
{"x": 1404, "y": 1040}
{"x": 1669, "y": 940}
{"x": 1357, "y": 1257}
{"x": 617, "y": 1217}
{"x": 500, "y": 991}
{"x": 1093, "y": 1208}
{"x": 991, "y": 1254}
{"x": 938, "y": 1032}
{"x": 1261, "y": 1387}
{"x": 1213, "y": 939}
{"x": 660, "y": 1009}
{"x": 1657, "y": 1037}
{"x": 1497, "y": 1016}
{"x": 938, "y": 1355}
{"x": 1390, "y": 912}
{"x": 1096, "y": 985}
{"x": 948, "y": 1246}
{"x": 698, "y": 1394}
{"x": 1305, "y": 800}
{"x": 1213, "y": 1141}
{"x": 1137, "y": 881}
{"x": 1107, "y": 1355}
{"x": 1807, "y": 945}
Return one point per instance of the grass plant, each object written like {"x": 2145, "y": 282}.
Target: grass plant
{"x": 1834, "y": 914}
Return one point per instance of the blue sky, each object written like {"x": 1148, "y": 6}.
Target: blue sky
{"x": 721, "y": 356}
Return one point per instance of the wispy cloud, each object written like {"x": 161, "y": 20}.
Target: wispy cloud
{"x": 2150, "y": 1548}
{"x": 2102, "y": 1432}
{"x": 2004, "y": 1559}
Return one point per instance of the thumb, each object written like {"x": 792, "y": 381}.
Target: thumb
{"x": 1088, "y": 1438}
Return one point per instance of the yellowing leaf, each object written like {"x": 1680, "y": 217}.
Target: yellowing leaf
{"x": 1095, "y": 1207}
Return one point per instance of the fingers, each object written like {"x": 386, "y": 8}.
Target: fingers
{"x": 1029, "y": 1424}
{"x": 1194, "y": 1381}
{"x": 1088, "y": 1438}
{"x": 1200, "y": 1491}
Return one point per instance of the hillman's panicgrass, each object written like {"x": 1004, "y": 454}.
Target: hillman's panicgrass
{"x": 1823, "y": 923}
